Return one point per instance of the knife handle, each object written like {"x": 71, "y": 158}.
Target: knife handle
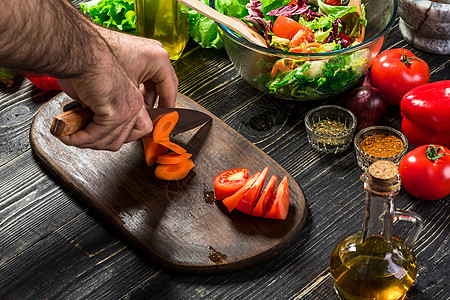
{"x": 71, "y": 121}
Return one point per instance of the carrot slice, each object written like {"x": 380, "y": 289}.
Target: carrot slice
{"x": 172, "y": 158}
{"x": 231, "y": 201}
{"x": 152, "y": 150}
{"x": 172, "y": 146}
{"x": 175, "y": 171}
{"x": 164, "y": 126}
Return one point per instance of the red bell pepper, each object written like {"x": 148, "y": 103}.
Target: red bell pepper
{"x": 426, "y": 114}
{"x": 44, "y": 82}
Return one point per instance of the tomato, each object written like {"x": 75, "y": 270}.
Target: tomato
{"x": 278, "y": 205}
{"x": 43, "y": 82}
{"x": 286, "y": 28}
{"x": 228, "y": 182}
{"x": 425, "y": 172}
{"x": 231, "y": 201}
{"x": 247, "y": 201}
{"x": 303, "y": 36}
{"x": 333, "y": 2}
{"x": 260, "y": 207}
{"x": 396, "y": 71}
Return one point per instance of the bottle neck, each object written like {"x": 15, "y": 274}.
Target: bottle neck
{"x": 380, "y": 209}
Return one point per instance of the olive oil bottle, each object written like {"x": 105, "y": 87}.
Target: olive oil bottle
{"x": 165, "y": 21}
{"x": 374, "y": 263}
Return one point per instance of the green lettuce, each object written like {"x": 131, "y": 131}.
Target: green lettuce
{"x": 115, "y": 14}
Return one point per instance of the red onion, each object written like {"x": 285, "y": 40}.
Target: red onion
{"x": 367, "y": 104}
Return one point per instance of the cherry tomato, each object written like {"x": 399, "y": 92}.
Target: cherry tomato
{"x": 425, "y": 172}
{"x": 278, "y": 205}
{"x": 250, "y": 197}
{"x": 43, "y": 82}
{"x": 286, "y": 28}
{"x": 397, "y": 71}
{"x": 228, "y": 182}
{"x": 260, "y": 207}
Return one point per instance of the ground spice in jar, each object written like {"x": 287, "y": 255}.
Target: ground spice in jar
{"x": 330, "y": 127}
{"x": 381, "y": 145}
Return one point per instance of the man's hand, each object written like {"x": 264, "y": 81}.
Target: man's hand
{"x": 120, "y": 94}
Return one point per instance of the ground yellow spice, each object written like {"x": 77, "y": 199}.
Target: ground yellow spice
{"x": 381, "y": 145}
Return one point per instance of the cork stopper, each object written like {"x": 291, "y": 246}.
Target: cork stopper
{"x": 383, "y": 173}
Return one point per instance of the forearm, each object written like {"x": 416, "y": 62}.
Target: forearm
{"x": 48, "y": 36}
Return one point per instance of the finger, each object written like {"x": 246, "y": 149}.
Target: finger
{"x": 142, "y": 126}
{"x": 149, "y": 93}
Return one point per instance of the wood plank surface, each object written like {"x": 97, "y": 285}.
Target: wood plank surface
{"x": 52, "y": 246}
{"x": 176, "y": 223}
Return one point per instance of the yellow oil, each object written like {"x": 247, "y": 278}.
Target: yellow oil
{"x": 165, "y": 21}
{"x": 373, "y": 269}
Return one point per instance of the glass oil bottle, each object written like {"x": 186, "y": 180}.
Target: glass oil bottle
{"x": 374, "y": 263}
{"x": 165, "y": 21}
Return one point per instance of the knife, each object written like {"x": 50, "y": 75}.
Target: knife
{"x": 76, "y": 119}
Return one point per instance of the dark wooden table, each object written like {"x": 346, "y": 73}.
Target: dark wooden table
{"x": 53, "y": 246}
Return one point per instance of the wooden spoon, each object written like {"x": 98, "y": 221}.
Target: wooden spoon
{"x": 234, "y": 24}
{"x": 357, "y": 4}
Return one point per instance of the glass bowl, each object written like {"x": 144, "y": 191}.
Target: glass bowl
{"x": 319, "y": 75}
{"x": 330, "y": 128}
{"x": 365, "y": 159}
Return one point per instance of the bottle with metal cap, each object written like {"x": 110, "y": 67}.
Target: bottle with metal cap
{"x": 374, "y": 263}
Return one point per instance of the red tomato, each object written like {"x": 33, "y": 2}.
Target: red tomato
{"x": 260, "y": 206}
{"x": 228, "y": 182}
{"x": 43, "y": 82}
{"x": 303, "y": 36}
{"x": 231, "y": 201}
{"x": 285, "y": 27}
{"x": 423, "y": 177}
{"x": 278, "y": 206}
{"x": 248, "y": 200}
{"x": 397, "y": 71}
{"x": 333, "y": 2}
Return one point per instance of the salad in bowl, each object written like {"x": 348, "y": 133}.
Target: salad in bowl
{"x": 315, "y": 48}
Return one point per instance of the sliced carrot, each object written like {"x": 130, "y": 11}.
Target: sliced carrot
{"x": 172, "y": 146}
{"x": 152, "y": 150}
{"x": 164, "y": 126}
{"x": 172, "y": 158}
{"x": 175, "y": 171}
{"x": 231, "y": 201}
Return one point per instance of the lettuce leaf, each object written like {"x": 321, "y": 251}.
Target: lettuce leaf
{"x": 115, "y": 14}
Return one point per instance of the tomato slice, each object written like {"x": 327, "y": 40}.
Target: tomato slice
{"x": 228, "y": 182}
{"x": 248, "y": 200}
{"x": 259, "y": 209}
{"x": 278, "y": 206}
{"x": 231, "y": 201}
{"x": 285, "y": 27}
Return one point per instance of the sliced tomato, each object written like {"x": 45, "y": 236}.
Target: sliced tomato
{"x": 278, "y": 206}
{"x": 259, "y": 209}
{"x": 303, "y": 36}
{"x": 250, "y": 197}
{"x": 231, "y": 201}
{"x": 286, "y": 28}
{"x": 228, "y": 182}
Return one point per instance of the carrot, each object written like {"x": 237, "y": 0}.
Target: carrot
{"x": 172, "y": 158}
{"x": 172, "y": 146}
{"x": 164, "y": 126}
{"x": 175, "y": 171}
{"x": 152, "y": 150}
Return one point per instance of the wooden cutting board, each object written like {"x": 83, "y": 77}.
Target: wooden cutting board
{"x": 177, "y": 224}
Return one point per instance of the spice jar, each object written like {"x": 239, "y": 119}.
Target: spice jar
{"x": 374, "y": 263}
{"x": 330, "y": 128}
{"x": 165, "y": 21}
{"x": 379, "y": 143}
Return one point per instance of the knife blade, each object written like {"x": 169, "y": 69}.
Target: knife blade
{"x": 76, "y": 119}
